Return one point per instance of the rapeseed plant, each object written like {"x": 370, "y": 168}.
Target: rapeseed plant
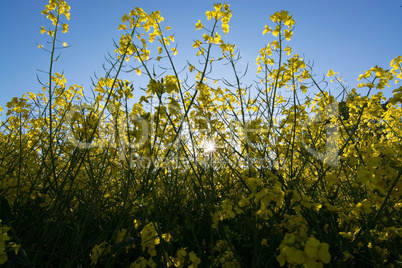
{"x": 201, "y": 172}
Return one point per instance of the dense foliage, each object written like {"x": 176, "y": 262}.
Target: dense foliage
{"x": 201, "y": 171}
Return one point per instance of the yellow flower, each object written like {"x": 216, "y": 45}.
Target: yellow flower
{"x": 289, "y": 22}
{"x": 217, "y": 38}
{"x": 311, "y": 247}
{"x": 225, "y": 28}
{"x": 149, "y": 238}
{"x": 266, "y": 30}
{"x": 65, "y": 28}
{"x": 120, "y": 235}
{"x": 166, "y": 237}
{"x": 3, "y": 257}
{"x": 288, "y": 49}
{"x": 98, "y": 251}
{"x": 208, "y": 14}
{"x": 293, "y": 255}
{"x": 137, "y": 224}
{"x": 198, "y": 25}
{"x": 323, "y": 253}
{"x": 197, "y": 43}
{"x": 288, "y": 34}
{"x": 181, "y": 252}
{"x": 194, "y": 259}
{"x": 276, "y": 31}
{"x": 122, "y": 27}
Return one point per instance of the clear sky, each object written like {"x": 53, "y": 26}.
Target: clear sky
{"x": 344, "y": 35}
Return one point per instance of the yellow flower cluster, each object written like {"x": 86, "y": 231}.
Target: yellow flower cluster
{"x": 183, "y": 259}
{"x": 168, "y": 85}
{"x": 99, "y": 250}
{"x": 60, "y": 6}
{"x": 5, "y": 244}
{"x": 222, "y": 13}
{"x": 281, "y": 19}
{"x": 314, "y": 255}
{"x": 149, "y": 238}
{"x": 226, "y": 257}
{"x": 132, "y": 23}
{"x": 53, "y": 11}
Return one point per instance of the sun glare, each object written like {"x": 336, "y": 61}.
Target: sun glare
{"x": 209, "y": 146}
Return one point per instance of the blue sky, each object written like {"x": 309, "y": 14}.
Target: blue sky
{"x": 347, "y": 36}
